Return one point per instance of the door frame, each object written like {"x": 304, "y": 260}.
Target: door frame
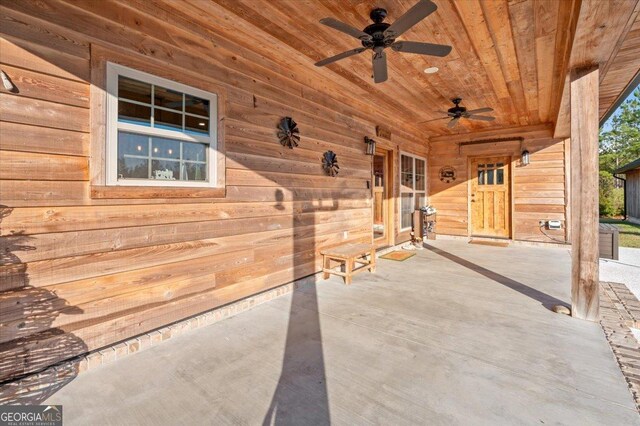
{"x": 470, "y": 175}
{"x": 387, "y": 200}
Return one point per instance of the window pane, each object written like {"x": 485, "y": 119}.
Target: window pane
{"x": 420, "y": 177}
{"x": 500, "y": 176}
{"x": 194, "y": 151}
{"x": 165, "y": 148}
{"x": 500, "y": 165}
{"x": 420, "y": 200}
{"x": 378, "y": 170}
{"x": 132, "y": 152}
{"x": 196, "y": 105}
{"x": 480, "y": 177}
{"x": 133, "y": 113}
{"x": 133, "y": 89}
{"x": 194, "y": 171}
{"x": 133, "y": 168}
{"x": 490, "y": 176}
{"x": 132, "y": 144}
{"x": 196, "y": 125}
{"x": 406, "y": 210}
{"x": 165, "y": 170}
{"x": 167, "y": 120}
{"x": 407, "y": 164}
{"x": 406, "y": 167}
{"x": 167, "y": 98}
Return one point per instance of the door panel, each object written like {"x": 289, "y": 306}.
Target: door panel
{"x": 382, "y": 196}
{"x": 490, "y": 197}
{"x": 379, "y": 196}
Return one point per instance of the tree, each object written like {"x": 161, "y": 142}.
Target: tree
{"x": 620, "y": 144}
{"x": 611, "y": 198}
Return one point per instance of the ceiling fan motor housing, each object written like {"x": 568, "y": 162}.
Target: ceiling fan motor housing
{"x": 377, "y": 29}
{"x": 457, "y": 110}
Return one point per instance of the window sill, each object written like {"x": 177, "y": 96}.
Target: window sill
{"x": 149, "y": 192}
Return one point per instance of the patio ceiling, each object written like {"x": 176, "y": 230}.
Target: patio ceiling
{"x": 510, "y": 55}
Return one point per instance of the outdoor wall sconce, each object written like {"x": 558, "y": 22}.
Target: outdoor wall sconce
{"x": 371, "y": 145}
{"x": 525, "y": 158}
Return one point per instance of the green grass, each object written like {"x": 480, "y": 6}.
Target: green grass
{"x": 629, "y": 232}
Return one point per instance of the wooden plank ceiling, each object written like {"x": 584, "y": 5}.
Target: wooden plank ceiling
{"x": 618, "y": 75}
{"x": 508, "y": 55}
{"x": 602, "y": 37}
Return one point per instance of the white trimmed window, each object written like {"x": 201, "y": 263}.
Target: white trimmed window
{"x": 159, "y": 132}
{"x": 413, "y": 188}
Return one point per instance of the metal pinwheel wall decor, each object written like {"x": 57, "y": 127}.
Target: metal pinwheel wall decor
{"x": 288, "y": 132}
{"x": 330, "y": 163}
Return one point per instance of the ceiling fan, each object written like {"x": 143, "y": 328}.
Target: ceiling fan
{"x": 380, "y": 35}
{"x": 458, "y": 112}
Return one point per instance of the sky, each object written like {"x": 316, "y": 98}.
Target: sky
{"x": 607, "y": 125}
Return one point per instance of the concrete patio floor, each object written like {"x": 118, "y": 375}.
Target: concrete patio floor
{"x": 458, "y": 334}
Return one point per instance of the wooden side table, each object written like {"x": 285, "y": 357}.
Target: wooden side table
{"x": 349, "y": 255}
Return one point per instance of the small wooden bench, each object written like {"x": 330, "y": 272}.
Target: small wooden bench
{"x": 349, "y": 255}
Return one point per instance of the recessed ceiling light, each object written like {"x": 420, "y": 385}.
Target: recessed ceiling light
{"x": 431, "y": 70}
{"x": 201, "y": 123}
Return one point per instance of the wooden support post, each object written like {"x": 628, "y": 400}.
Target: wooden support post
{"x": 584, "y": 194}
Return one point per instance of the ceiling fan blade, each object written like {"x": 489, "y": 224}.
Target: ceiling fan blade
{"x": 421, "y": 48}
{"x": 345, "y": 28}
{"x": 417, "y": 13}
{"x": 479, "y": 110}
{"x": 340, "y": 56}
{"x": 379, "y": 66}
{"x": 435, "y": 119}
{"x": 480, "y": 117}
{"x": 453, "y": 122}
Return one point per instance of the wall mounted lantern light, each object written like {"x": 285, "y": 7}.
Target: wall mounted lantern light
{"x": 525, "y": 157}
{"x": 371, "y": 145}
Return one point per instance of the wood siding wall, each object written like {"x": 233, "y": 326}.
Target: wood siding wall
{"x": 79, "y": 273}
{"x": 633, "y": 195}
{"x": 538, "y": 190}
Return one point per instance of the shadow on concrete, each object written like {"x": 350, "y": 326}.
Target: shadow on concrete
{"x": 545, "y": 299}
{"x": 301, "y": 396}
{"x": 30, "y": 344}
